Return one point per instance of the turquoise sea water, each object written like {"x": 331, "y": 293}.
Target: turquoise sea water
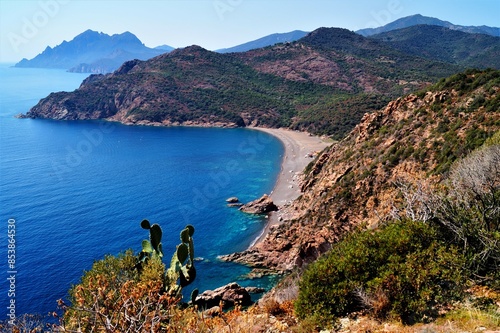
{"x": 77, "y": 191}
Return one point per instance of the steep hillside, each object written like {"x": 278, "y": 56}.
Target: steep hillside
{"x": 443, "y": 44}
{"x": 352, "y": 183}
{"x": 191, "y": 86}
{"x": 347, "y": 61}
{"x": 417, "y": 19}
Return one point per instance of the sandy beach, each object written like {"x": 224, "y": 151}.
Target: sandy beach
{"x": 300, "y": 149}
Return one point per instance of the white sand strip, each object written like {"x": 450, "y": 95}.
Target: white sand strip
{"x": 300, "y": 147}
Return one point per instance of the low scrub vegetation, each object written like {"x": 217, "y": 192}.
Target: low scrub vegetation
{"x": 388, "y": 272}
{"x": 416, "y": 266}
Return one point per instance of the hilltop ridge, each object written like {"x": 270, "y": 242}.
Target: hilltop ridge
{"x": 472, "y": 50}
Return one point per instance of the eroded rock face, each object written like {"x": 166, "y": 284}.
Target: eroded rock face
{"x": 262, "y": 205}
{"x": 229, "y": 294}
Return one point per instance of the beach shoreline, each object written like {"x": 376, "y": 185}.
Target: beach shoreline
{"x": 300, "y": 148}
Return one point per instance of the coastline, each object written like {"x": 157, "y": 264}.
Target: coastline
{"x": 300, "y": 150}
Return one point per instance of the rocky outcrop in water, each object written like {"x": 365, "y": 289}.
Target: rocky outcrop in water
{"x": 262, "y": 205}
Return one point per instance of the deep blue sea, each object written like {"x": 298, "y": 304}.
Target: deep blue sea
{"x": 76, "y": 191}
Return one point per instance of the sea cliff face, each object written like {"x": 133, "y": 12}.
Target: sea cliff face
{"x": 353, "y": 183}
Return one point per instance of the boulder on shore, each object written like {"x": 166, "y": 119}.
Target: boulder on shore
{"x": 230, "y": 294}
{"x": 260, "y": 206}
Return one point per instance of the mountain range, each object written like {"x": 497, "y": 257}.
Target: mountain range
{"x": 322, "y": 83}
{"x": 403, "y": 108}
{"x": 93, "y": 52}
{"x": 418, "y": 19}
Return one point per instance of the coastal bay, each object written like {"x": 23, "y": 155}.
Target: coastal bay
{"x": 94, "y": 181}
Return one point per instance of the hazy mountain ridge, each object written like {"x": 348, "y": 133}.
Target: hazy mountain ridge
{"x": 418, "y": 19}
{"x": 92, "y": 52}
{"x": 95, "y": 52}
{"x": 266, "y": 41}
{"x": 443, "y": 44}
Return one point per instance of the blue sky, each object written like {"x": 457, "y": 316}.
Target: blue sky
{"x": 27, "y": 27}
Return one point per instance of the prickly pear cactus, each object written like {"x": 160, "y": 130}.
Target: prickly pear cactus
{"x": 152, "y": 247}
{"x": 182, "y": 271}
{"x": 182, "y": 264}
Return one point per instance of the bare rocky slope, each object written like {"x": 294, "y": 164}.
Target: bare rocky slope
{"x": 347, "y": 61}
{"x": 352, "y": 183}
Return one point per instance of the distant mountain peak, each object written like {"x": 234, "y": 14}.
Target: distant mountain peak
{"x": 266, "y": 41}
{"x": 166, "y": 48}
{"x": 127, "y": 36}
{"x": 94, "y": 52}
{"x": 418, "y": 19}
{"x": 89, "y": 32}
{"x": 445, "y": 44}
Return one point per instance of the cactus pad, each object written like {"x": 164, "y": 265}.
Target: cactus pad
{"x": 145, "y": 224}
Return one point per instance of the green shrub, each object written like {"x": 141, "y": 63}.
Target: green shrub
{"x": 469, "y": 210}
{"x": 403, "y": 270}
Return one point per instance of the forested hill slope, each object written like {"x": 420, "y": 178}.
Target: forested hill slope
{"x": 343, "y": 59}
{"x": 443, "y": 44}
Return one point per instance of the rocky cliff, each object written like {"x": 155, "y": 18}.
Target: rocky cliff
{"x": 351, "y": 184}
